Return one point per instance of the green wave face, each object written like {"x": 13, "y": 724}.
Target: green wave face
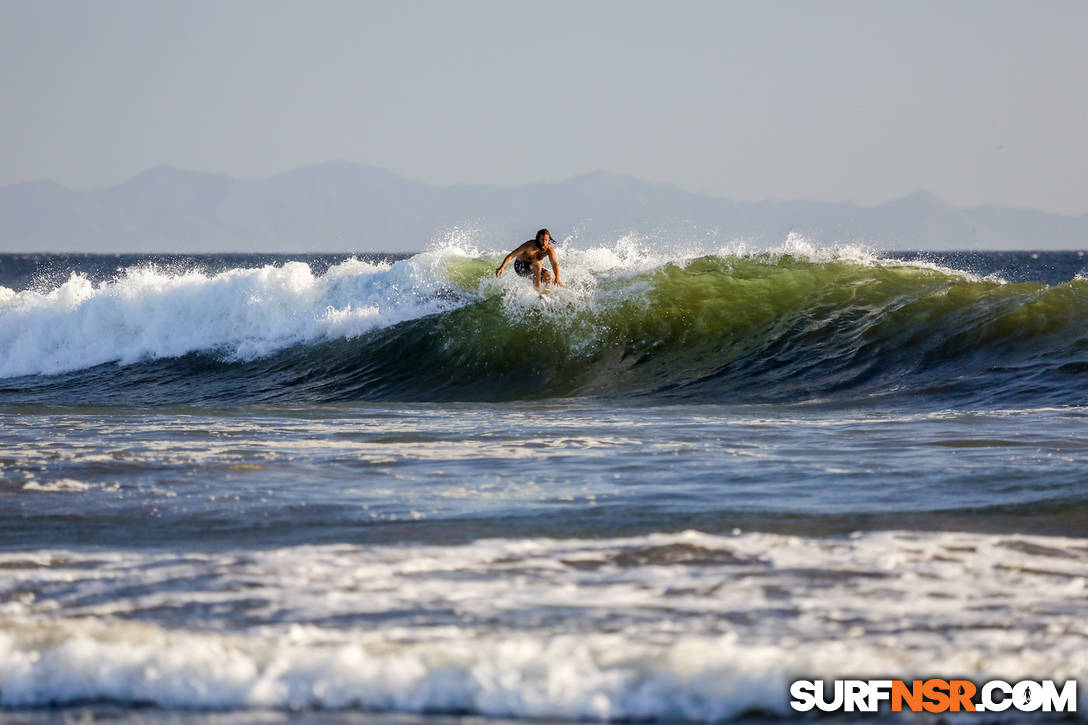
{"x": 760, "y": 327}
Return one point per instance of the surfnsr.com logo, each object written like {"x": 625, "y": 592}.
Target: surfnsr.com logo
{"x": 933, "y": 695}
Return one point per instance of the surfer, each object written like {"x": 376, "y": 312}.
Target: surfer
{"x": 528, "y": 257}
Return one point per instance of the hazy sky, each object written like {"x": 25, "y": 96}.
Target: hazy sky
{"x": 978, "y": 102}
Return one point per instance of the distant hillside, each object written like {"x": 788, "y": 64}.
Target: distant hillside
{"x": 349, "y": 207}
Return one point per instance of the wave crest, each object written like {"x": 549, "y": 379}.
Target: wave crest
{"x": 794, "y": 323}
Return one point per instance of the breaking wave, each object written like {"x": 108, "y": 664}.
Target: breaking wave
{"x": 794, "y": 324}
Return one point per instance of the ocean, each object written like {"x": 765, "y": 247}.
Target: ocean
{"x": 393, "y": 488}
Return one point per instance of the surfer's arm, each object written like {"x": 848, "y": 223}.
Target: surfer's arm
{"x": 516, "y": 252}
{"x": 555, "y": 265}
{"x": 498, "y": 272}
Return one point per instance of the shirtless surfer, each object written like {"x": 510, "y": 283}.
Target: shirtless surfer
{"x": 527, "y": 260}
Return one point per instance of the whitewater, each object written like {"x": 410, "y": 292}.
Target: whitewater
{"x": 394, "y": 488}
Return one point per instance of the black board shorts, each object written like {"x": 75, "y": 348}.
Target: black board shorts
{"x": 522, "y": 268}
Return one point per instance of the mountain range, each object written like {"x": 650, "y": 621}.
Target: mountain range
{"x": 343, "y": 207}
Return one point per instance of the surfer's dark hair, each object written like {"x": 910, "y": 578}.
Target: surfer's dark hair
{"x": 540, "y": 236}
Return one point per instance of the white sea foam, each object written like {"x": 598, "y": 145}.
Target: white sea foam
{"x": 568, "y": 676}
{"x": 663, "y": 626}
{"x": 242, "y": 313}
{"x": 66, "y": 485}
